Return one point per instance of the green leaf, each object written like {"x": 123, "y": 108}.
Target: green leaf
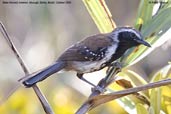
{"x": 152, "y": 31}
{"x": 127, "y": 104}
{"x": 158, "y": 23}
{"x": 151, "y": 110}
{"x": 99, "y": 11}
{"x": 155, "y": 100}
{"x": 144, "y": 13}
{"x": 141, "y": 109}
{"x": 163, "y": 73}
{"x": 136, "y": 79}
{"x": 165, "y": 97}
{"x": 155, "y": 95}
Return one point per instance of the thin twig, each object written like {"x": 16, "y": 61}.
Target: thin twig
{"x": 38, "y": 92}
{"x": 101, "y": 99}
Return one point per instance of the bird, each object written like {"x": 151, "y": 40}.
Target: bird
{"x": 91, "y": 54}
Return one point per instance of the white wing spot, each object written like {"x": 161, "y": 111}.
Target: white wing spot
{"x": 91, "y": 52}
{"x": 87, "y": 50}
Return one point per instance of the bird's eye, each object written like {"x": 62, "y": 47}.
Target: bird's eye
{"x": 132, "y": 35}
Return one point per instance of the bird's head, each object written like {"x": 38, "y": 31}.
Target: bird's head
{"x": 129, "y": 37}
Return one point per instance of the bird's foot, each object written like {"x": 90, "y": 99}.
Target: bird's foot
{"x": 117, "y": 66}
{"x": 98, "y": 88}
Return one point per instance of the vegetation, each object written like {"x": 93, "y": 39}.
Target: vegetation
{"x": 65, "y": 99}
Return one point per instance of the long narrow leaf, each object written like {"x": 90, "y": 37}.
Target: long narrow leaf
{"x": 157, "y": 26}
{"x": 100, "y": 14}
{"x": 144, "y": 12}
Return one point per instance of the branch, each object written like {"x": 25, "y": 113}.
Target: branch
{"x": 38, "y": 92}
{"x": 103, "y": 83}
{"x": 101, "y": 99}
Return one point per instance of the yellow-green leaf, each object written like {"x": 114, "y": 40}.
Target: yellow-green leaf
{"x": 141, "y": 109}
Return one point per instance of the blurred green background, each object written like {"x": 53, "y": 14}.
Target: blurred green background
{"x": 41, "y": 33}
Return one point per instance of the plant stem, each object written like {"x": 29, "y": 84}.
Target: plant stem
{"x": 41, "y": 97}
{"x": 101, "y": 99}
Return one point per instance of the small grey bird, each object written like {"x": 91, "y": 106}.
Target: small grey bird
{"x": 91, "y": 54}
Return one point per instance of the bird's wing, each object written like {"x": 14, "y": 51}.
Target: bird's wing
{"x": 89, "y": 49}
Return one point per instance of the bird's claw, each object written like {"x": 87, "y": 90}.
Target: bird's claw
{"x": 98, "y": 88}
{"x": 117, "y": 66}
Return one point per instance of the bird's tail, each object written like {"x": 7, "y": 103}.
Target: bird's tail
{"x": 29, "y": 81}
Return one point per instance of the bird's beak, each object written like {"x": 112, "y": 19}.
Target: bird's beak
{"x": 143, "y": 42}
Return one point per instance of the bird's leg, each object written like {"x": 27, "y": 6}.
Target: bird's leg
{"x": 80, "y": 76}
{"x": 117, "y": 66}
